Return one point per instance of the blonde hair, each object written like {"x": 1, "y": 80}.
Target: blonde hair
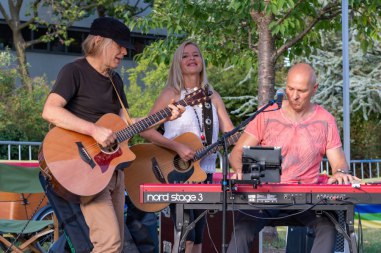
{"x": 91, "y": 48}
{"x": 175, "y": 76}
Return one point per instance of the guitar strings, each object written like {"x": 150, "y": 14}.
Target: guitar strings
{"x": 232, "y": 138}
{"x": 96, "y": 147}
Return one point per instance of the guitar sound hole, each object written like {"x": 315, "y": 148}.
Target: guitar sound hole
{"x": 110, "y": 149}
{"x": 181, "y": 165}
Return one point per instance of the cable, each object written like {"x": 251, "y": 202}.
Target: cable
{"x": 210, "y": 236}
{"x": 360, "y": 244}
{"x": 339, "y": 228}
{"x": 188, "y": 229}
{"x": 234, "y": 234}
{"x": 283, "y": 217}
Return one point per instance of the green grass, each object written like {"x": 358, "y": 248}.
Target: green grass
{"x": 273, "y": 243}
{"x": 371, "y": 242}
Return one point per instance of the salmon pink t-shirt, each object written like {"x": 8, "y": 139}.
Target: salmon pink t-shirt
{"x": 303, "y": 143}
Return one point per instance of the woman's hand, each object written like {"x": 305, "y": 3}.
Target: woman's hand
{"x": 185, "y": 152}
{"x": 176, "y": 110}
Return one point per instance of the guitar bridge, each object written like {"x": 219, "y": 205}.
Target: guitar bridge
{"x": 157, "y": 171}
{"x": 84, "y": 155}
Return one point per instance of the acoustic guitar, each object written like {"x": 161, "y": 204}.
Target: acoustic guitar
{"x": 78, "y": 166}
{"x": 155, "y": 164}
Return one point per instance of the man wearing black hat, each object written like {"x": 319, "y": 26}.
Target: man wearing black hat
{"x": 84, "y": 91}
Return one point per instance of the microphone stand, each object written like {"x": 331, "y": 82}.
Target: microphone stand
{"x": 225, "y": 162}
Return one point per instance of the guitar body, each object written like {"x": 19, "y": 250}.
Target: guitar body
{"x": 77, "y": 166}
{"x": 155, "y": 164}
{"x": 77, "y": 163}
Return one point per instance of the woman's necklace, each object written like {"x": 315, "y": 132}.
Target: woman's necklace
{"x": 199, "y": 122}
{"x": 200, "y": 126}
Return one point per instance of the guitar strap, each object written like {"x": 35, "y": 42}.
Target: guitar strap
{"x": 125, "y": 112}
{"x": 207, "y": 115}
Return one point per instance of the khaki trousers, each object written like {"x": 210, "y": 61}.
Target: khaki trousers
{"x": 104, "y": 214}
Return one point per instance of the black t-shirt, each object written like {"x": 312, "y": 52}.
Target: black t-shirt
{"x": 88, "y": 93}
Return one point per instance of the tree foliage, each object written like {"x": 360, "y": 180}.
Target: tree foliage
{"x": 20, "y": 110}
{"x": 364, "y": 76}
{"x": 54, "y": 17}
{"x": 364, "y": 88}
{"x": 255, "y": 34}
{"x": 8, "y": 74}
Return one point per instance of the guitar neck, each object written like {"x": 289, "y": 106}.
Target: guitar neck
{"x": 145, "y": 123}
{"x": 208, "y": 150}
{"x": 195, "y": 97}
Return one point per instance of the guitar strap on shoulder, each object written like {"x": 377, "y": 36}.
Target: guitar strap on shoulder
{"x": 125, "y": 112}
{"x": 207, "y": 115}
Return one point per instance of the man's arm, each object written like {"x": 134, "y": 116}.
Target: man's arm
{"x": 235, "y": 158}
{"x": 55, "y": 113}
{"x": 340, "y": 168}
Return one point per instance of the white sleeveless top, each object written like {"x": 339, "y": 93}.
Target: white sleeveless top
{"x": 188, "y": 123}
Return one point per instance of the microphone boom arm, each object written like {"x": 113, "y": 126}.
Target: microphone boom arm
{"x": 247, "y": 121}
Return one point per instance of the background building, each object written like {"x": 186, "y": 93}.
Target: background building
{"x": 48, "y": 58}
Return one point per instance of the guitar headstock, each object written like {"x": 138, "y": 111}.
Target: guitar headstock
{"x": 197, "y": 97}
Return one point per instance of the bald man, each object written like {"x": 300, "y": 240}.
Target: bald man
{"x": 305, "y": 132}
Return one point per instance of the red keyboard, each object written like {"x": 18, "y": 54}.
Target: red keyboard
{"x": 272, "y": 193}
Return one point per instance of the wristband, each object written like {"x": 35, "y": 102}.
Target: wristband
{"x": 341, "y": 171}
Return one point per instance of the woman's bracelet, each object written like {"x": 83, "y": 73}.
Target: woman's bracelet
{"x": 342, "y": 171}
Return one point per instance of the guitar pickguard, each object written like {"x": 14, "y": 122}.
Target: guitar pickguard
{"x": 155, "y": 164}
{"x": 103, "y": 159}
{"x": 179, "y": 177}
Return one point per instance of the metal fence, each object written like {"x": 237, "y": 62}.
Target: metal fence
{"x": 24, "y": 150}
{"x": 19, "y": 150}
{"x": 364, "y": 169}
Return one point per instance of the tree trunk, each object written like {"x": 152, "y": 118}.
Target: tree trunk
{"x": 266, "y": 64}
{"x": 19, "y": 44}
{"x": 14, "y": 22}
{"x": 266, "y": 60}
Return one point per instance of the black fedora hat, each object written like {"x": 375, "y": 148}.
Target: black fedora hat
{"x": 113, "y": 29}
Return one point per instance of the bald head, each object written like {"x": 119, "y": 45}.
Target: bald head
{"x": 300, "y": 87}
{"x": 304, "y": 71}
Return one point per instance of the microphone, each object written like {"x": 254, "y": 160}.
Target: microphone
{"x": 279, "y": 97}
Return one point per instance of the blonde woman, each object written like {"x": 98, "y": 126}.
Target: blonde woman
{"x": 187, "y": 72}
